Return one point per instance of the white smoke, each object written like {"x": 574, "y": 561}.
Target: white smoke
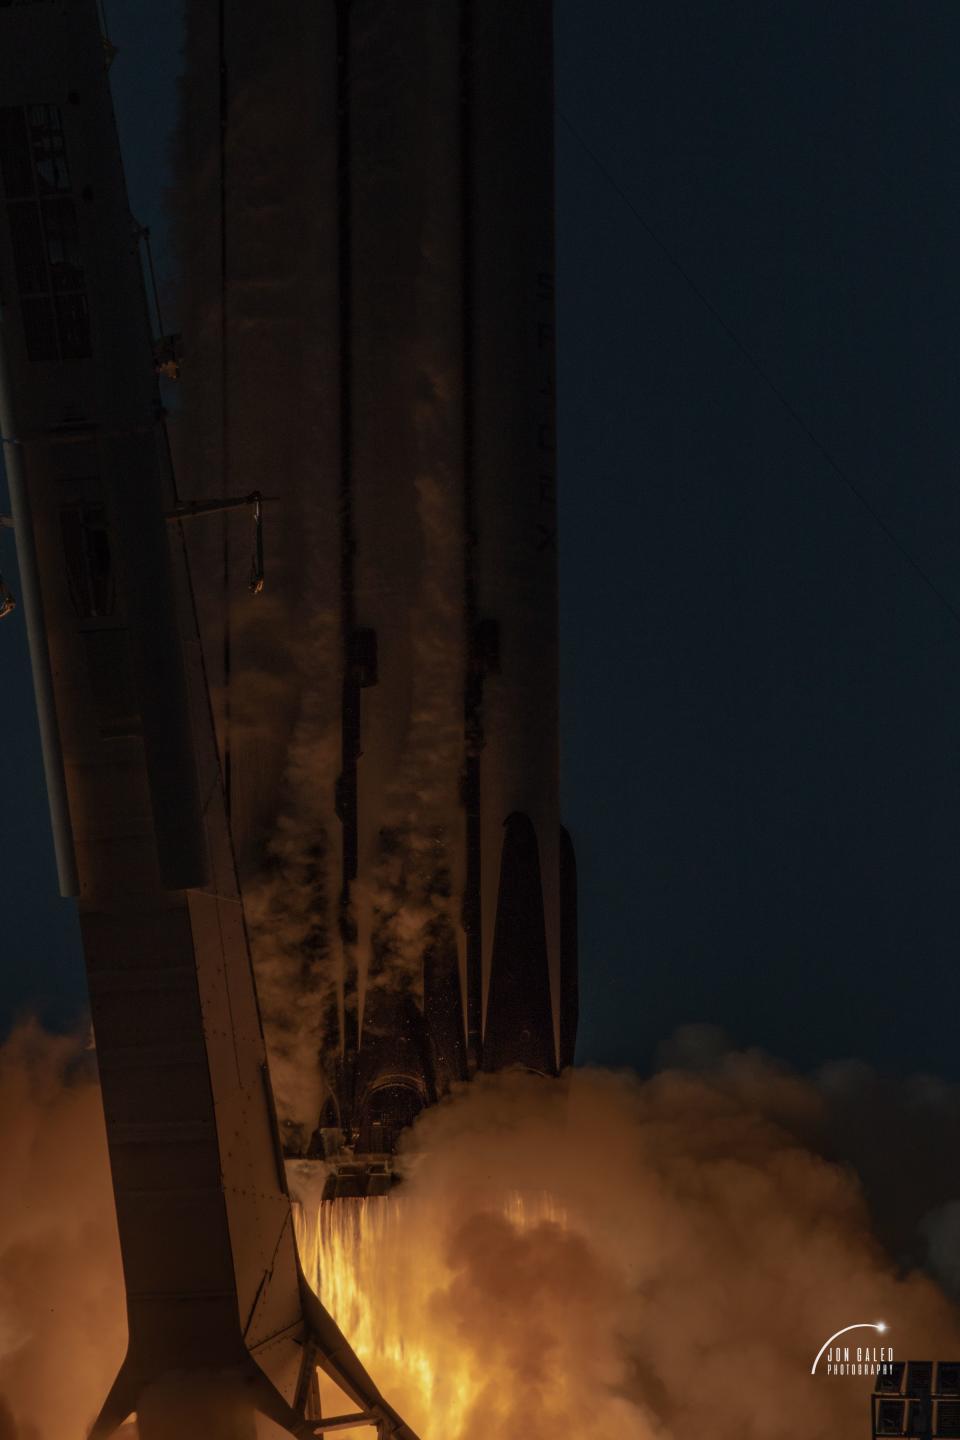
{"x": 609, "y": 1256}
{"x": 418, "y": 872}
{"x": 602, "y": 1254}
{"x": 62, "y": 1324}
{"x": 290, "y": 901}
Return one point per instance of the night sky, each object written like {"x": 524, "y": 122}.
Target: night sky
{"x": 759, "y": 342}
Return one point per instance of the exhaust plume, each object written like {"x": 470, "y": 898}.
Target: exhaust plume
{"x": 62, "y": 1323}
{"x": 602, "y": 1254}
{"x": 611, "y": 1256}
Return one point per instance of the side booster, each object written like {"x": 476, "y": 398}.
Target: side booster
{"x": 447, "y": 378}
{"x": 213, "y": 1282}
{"x": 404, "y": 202}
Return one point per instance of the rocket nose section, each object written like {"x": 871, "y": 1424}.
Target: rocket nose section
{"x": 519, "y": 1024}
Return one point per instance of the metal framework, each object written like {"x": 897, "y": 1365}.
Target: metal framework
{"x": 918, "y": 1400}
{"x": 214, "y": 1287}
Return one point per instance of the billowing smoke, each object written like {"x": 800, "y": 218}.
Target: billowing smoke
{"x": 290, "y": 898}
{"x": 598, "y": 1254}
{"x": 898, "y": 1135}
{"x": 604, "y": 1256}
{"x": 62, "y": 1324}
{"x": 416, "y": 866}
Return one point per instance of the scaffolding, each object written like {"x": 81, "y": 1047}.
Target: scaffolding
{"x": 917, "y": 1400}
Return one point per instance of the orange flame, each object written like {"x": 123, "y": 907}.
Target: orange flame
{"x": 385, "y": 1288}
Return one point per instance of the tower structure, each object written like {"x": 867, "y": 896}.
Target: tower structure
{"x": 214, "y": 1287}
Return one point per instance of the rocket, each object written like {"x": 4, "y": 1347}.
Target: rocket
{"x": 308, "y": 803}
{"x": 133, "y": 774}
{"x": 387, "y": 283}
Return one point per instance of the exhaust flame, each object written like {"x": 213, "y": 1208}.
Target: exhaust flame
{"x": 349, "y": 1247}
{"x": 595, "y": 1255}
{"x": 606, "y": 1257}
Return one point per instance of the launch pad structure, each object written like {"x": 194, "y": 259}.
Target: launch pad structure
{"x": 917, "y": 1399}
{"x": 209, "y": 1257}
{"x": 419, "y": 521}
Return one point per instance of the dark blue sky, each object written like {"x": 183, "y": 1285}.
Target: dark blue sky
{"x": 761, "y": 703}
{"x": 762, "y": 697}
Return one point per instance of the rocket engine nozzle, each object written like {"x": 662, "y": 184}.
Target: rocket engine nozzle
{"x": 361, "y": 1178}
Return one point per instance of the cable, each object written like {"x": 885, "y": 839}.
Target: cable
{"x": 758, "y": 369}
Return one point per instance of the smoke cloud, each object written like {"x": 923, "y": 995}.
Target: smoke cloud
{"x": 610, "y": 1256}
{"x": 602, "y": 1254}
{"x": 62, "y": 1323}
{"x": 897, "y": 1134}
{"x": 289, "y": 901}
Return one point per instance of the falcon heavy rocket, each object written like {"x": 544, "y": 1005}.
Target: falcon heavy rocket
{"x": 381, "y": 362}
{"x": 354, "y": 775}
